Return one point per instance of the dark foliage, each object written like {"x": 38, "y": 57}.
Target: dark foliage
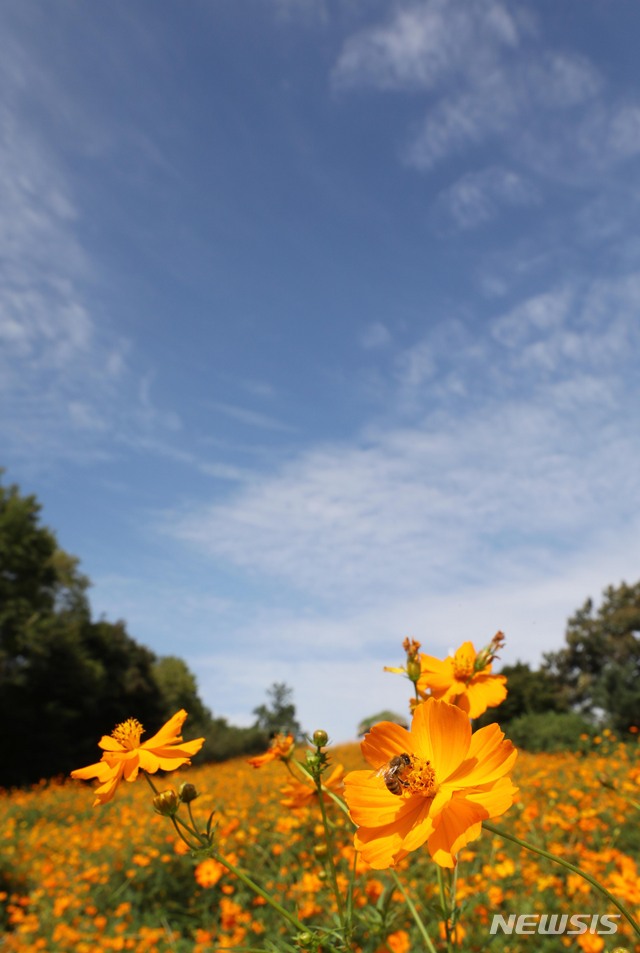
{"x": 66, "y": 680}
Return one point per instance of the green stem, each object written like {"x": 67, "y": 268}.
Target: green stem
{"x": 453, "y": 889}
{"x": 444, "y": 907}
{"x": 177, "y": 820}
{"x": 414, "y": 913}
{"x": 332, "y": 866}
{"x": 244, "y": 878}
{"x": 565, "y": 863}
{"x": 252, "y": 885}
{"x": 334, "y": 797}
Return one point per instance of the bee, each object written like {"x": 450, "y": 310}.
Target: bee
{"x": 393, "y": 771}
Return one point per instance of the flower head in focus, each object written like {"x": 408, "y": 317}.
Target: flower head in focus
{"x": 443, "y": 783}
{"x": 464, "y": 679}
{"x": 124, "y": 754}
{"x": 281, "y": 749}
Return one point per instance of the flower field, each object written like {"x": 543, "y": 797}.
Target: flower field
{"x": 117, "y": 877}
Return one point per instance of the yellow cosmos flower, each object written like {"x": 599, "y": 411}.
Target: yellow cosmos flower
{"x": 464, "y": 680}
{"x": 124, "y": 755}
{"x": 434, "y": 784}
{"x": 280, "y": 749}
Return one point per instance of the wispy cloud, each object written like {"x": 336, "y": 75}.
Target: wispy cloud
{"x": 422, "y": 45}
{"x": 57, "y": 372}
{"x": 67, "y": 381}
{"x": 487, "y": 78}
{"x": 478, "y": 197}
{"x": 48, "y": 368}
{"x": 500, "y": 502}
{"x": 498, "y": 481}
{"x": 519, "y": 105}
{"x": 375, "y": 335}
{"x": 251, "y": 418}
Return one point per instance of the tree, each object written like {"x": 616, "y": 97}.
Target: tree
{"x": 367, "y": 723}
{"x": 529, "y": 692}
{"x": 37, "y": 579}
{"x": 600, "y": 664}
{"x": 280, "y": 715}
{"x": 64, "y": 680}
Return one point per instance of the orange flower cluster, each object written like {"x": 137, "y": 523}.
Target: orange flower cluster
{"x": 74, "y": 882}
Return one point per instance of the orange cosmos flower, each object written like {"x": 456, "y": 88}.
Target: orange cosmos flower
{"x": 281, "y": 747}
{"x": 124, "y": 756}
{"x": 434, "y": 784}
{"x": 465, "y": 679}
{"x": 209, "y": 871}
{"x": 302, "y": 793}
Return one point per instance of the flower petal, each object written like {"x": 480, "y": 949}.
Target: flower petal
{"x": 130, "y": 767}
{"x": 485, "y": 691}
{"x": 458, "y": 823}
{"x": 169, "y": 733}
{"x": 370, "y": 803}
{"x": 435, "y": 674}
{"x": 101, "y": 770}
{"x": 105, "y": 791}
{"x": 382, "y": 846}
{"x": 110, "y": 744}
{"x": 384, "y": 741}
{"x": 490, "y": 757}
{"x": 496, "y": 799}
{"x": 442, "y": 734}
{"x": 378, "y": 845}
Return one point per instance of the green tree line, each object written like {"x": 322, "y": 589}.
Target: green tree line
{"x": 67, "y": 679}
{"x": 590, "y": 684}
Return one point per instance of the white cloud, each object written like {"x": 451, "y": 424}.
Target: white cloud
{"x": 339, "y": 678}
{"x": 559, "y": 80}
{"x": 502, "y": 503}
{"x": 508, "y": 466}
{"x": 251, "y": 418}
{"x": 305, "y": 11}
{"x": 538, "y": 315}
{"x": 461, "y": 119}
{"x": 478, "y": 197}
{"x": 65, "y": 375}
{"x": 422, "y": 45}
{"x": 488, "y": 79}
{"x": 375, "y": 336}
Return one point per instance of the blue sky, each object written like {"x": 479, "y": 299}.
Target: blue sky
{"x": 319, "y": 325}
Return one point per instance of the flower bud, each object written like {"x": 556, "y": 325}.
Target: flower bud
{"x": 166, "y": 803}
{"x": 413, "y": 670}
{"x": 188, "y": 792}
{"x": 320, "y": 738}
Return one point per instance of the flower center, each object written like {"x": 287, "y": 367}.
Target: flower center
{"x": 420, "y": 778}
{"x": 463, "y": 663}
{"x": 128, "y": 733}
